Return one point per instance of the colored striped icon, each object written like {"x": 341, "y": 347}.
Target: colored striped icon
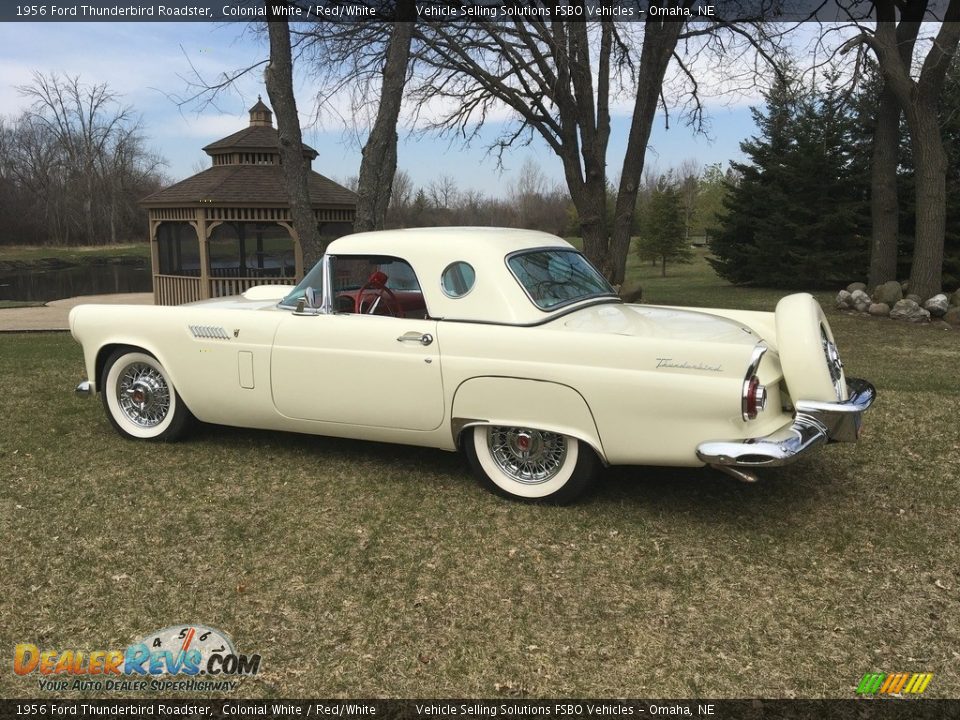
{"x": 894, "y": 683}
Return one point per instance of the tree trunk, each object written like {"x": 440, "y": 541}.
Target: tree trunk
{"x": 884, "y": 210}
{"x": 663, "y": 266}
{"x": 379, "y": 164}
{"x": 591, "y": 209}
{"x": 279, "y": 81}
{"x": 659, "y": 43}
{"x": 930, "y": 167}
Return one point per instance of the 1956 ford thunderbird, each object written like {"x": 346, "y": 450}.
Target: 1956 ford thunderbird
{"x": 504, "y": 343}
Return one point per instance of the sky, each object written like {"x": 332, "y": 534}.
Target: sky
{"x": 149, "y": 65}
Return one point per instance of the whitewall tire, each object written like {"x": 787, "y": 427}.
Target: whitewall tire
{"x": 139, "y": 397}
{"x": 808, "y": 353}
{"x": 529, "y": 464}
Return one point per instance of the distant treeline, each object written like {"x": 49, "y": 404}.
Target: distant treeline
{"x": 73, "y": 167}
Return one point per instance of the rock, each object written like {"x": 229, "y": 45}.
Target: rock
{"x": 955, "y": 299}
{"x": 888, "y": 292}
{"x": 916, "y": 298}
{"x": 905, "y": 285}
{"x": 860, "y": 300}
{"x": 843, "y": 300}
{"x": 953, "y": 316}
{"x": 910, "y": 311}
{"x": 879, "y": 309}
{"x": 856, "y": 286}
{"x": 937, "y": 305}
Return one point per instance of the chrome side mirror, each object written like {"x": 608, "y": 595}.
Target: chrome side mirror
{"x": 307, "y": 305}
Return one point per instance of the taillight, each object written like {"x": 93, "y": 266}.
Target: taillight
{"x": 754, "y": 398}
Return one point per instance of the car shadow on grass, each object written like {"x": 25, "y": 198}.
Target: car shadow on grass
{"x": 779, "y": 494}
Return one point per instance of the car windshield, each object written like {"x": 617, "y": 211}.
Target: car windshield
{"x": 555, "y": 277}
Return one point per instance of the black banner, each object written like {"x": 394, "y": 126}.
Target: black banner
{"x": 865, "y": 709}
{"x": 446, "y": 10}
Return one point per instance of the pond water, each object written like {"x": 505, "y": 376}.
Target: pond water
{"x": 44, "y": 285}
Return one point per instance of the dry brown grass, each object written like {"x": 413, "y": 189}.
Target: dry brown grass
{"x": 358, "y": 569}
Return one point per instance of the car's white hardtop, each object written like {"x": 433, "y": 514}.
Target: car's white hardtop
{"x": 496, "y": 295}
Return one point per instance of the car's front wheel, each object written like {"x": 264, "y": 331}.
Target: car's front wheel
{"x": 139, "y": 398}
{"x": 530, "y": 464}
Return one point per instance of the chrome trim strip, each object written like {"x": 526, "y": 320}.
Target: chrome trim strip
{"x": 326, "y": 303}
{"x": 816, "y": 423}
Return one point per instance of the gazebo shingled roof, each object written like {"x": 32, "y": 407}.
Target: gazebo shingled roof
{"x": 244, "y": 183}
{"x": 244, "y": 189}
{"x": 253, "y": 137}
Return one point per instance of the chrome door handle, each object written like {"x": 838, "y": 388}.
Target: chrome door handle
{"x": 413, "y": 336}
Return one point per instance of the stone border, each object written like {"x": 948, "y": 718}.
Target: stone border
{"x": 892, "y": 300}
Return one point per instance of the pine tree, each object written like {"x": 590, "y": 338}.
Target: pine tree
{"x": 798, "y": 216}
{"x": 663, "y": 235}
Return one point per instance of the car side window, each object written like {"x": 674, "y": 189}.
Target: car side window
{"x": 376, "y": 285}
{"x": 457, "y": 279}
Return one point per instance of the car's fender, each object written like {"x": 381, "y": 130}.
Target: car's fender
{"x": 522, "y": 402}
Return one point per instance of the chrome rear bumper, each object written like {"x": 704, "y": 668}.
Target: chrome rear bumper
{"x": 85, "y": 389}
{"x": 815, "y": 424}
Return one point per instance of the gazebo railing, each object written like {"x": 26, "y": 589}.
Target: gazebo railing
{"x": 223, "y": 286}
{"x": 176, "y": 289}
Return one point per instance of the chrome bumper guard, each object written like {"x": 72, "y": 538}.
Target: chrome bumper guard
{"x": 85, "y": 389}
{"x": 815, "y": 424}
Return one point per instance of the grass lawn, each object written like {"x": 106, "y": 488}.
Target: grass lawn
{"x": 76, "y": 255}
{"x": 5, "y": 304}
{"x": 358, "y": 569}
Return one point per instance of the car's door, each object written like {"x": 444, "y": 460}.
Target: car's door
{"x": 358, "y": 368}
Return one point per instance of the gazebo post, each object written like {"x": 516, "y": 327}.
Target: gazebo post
{"x": 154, "y": 255}
{"x": 201, "y": 226}
{"x": 297, "y": 249}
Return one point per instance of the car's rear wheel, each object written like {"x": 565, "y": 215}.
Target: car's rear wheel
{"x": 139, "y": 398}
{"x": 808, "y": 353}
{"x": 530, "y": 464}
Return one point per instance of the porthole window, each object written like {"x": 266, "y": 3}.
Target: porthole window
{"x": 457, "y": 279}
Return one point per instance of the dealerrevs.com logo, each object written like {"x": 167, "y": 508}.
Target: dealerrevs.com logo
{"x": 902, "y": 683}
{"x": 152, "y": 663}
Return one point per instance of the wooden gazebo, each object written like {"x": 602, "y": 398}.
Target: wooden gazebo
{"x": 229, "y": 227}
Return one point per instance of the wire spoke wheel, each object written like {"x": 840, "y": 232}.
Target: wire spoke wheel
{"x": 140, "y": 400}
{"x": 143, "y": 395}
{"x": 530, "y": 464}
{"x": 527, "y": 456}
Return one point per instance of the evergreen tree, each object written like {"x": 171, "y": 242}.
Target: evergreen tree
{"x": 664, "y": 228}
{"x": 798, "y": 217}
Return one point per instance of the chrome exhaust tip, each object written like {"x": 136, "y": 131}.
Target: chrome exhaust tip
{"x": 738, "y": 473}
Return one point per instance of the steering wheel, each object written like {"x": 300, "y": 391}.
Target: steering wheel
{"x": 380, "y": 298}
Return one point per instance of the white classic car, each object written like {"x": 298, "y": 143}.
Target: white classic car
{"x": 506, "y": 344}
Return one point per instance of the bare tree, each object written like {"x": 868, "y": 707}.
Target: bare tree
{"x": 559, "y": 79}
{"x": 279, "y": 81}
{"x": 443, "y": 192}
{"x": 892, "y": 44}
{"x": 79, "y": 158}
